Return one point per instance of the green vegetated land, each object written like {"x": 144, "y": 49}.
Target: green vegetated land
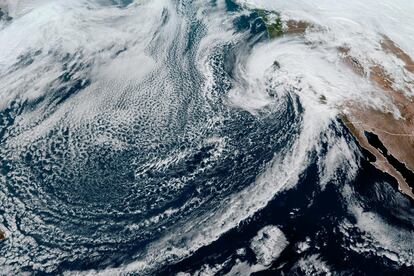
{"x": 273, "y": 22}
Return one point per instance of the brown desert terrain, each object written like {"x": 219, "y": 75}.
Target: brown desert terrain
{"x": 395, "y": 136}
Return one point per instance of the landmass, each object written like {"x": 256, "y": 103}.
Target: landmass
{"x": 389, "y": 139}
{"x": 272, "y": 21}
{"x": 2, "y": 235}
{"x": 277, "y": 28}
{"x": 395, "y": 134}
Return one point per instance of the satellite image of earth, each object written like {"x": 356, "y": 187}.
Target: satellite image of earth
{"x": 206, "y": 137}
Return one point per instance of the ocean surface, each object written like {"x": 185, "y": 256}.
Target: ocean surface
{"x": 173, "y": 137}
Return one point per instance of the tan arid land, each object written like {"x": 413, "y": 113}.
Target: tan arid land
{"x": 396, "y": 134}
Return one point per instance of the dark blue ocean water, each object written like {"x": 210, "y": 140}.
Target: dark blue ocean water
{"x": 77, "y": 198}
